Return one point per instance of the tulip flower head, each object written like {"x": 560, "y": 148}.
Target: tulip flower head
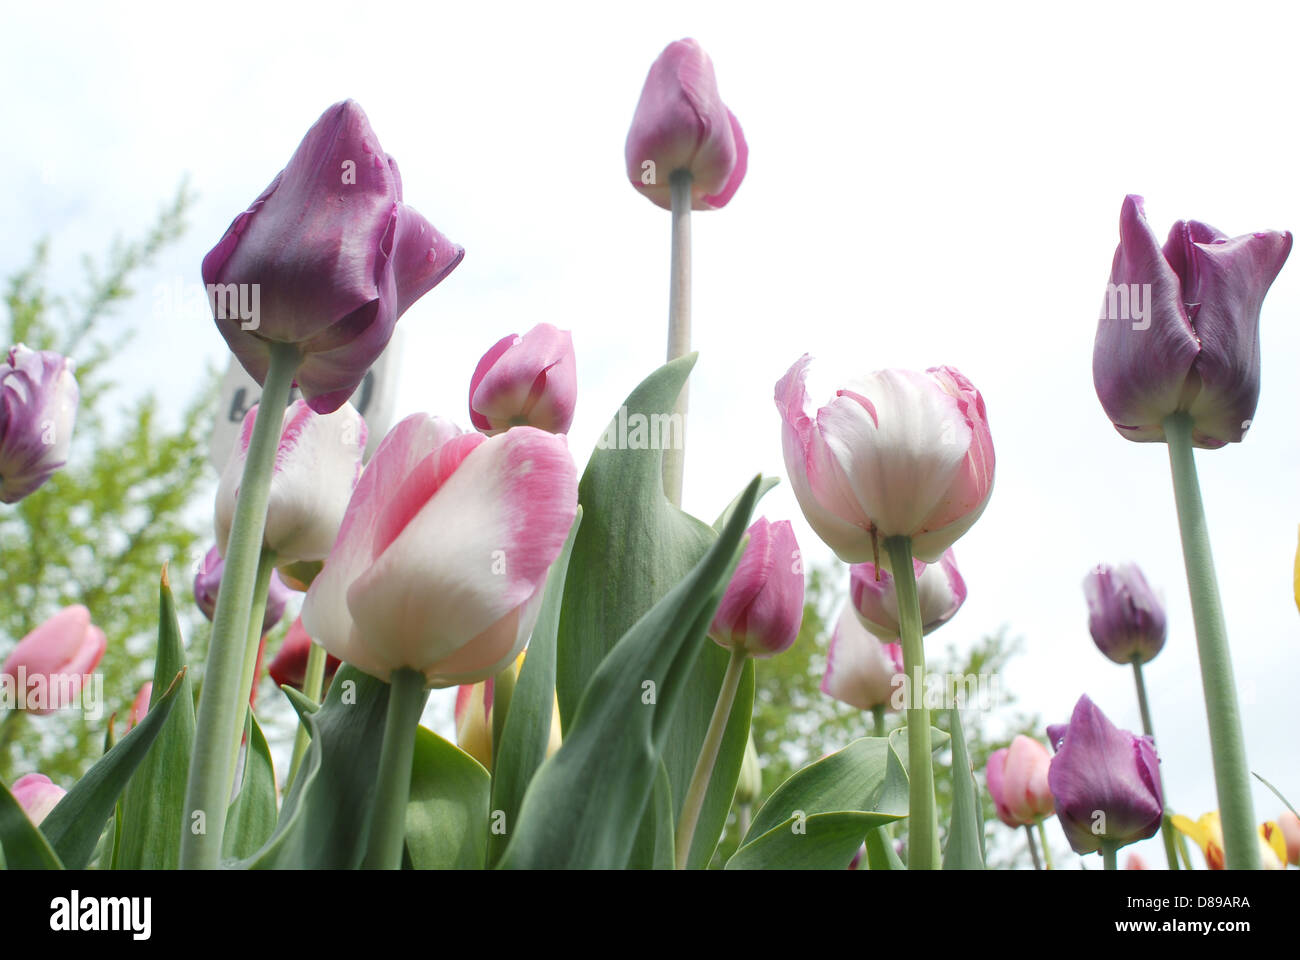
{"x": 474, "y": 704}
{"x": 860, "y": 670}
{"x": 207, "y": 581}
{"x": 37, "y": 795}
{"x": 1135, "y": 862}
{"x": 1125, "y": 617}
{"x": 681, "y": 125}
{"x": 316, "y": 468}
{"x": 1106, "y": 781}
{"x": 526, "y": 381}
{"x": 1179, "y": 330}
{"x": 444, "y": 550}
{"x": 326, "y": 258}
{"x": 1290, "y": 826}
{"x": 1207, "y": 833}
{"x": 898, "y": 454}
{"x": 762, "y": 607}
{"x": 38, "y": 407}
{"x": 140, "y": 705}
{"x": 289, "y": 666}
{"x": 62, "y": 651}
{"x": 1017, "y": 781}
{"x": 939, "y": 588}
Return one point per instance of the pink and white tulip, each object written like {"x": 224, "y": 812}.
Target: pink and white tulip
{"x": 37, "y": 795}
{"x": 1017, "y": 781}
{"x": 939, "y": 588}
{"x": 442, "y": 557}
{"x": 898, "y": 453}
{"x": 316, "y": 468}
{"x": 38, "y": 408}
{"x": 61, "y": 650}
{"x": 860, "y": 670}
{"x": 762, "y": 607}
{"x": 526, "y": 381}
{"x": 681, "y": 124}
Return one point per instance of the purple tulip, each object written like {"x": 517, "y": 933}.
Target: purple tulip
{"x": 38, "y": 407}
{"x": 939, "y": 588}
{"x": 526, "y": 381}
{"x": 1179, "y": 329}
{"x": 327, "y": 258}
{"x": 1106, "y": 781}
{"x": 762, "y": 607}
{"x": 1125, "y": 617}
{"x": 681, "y": 124}
{"x": 208, "y": 580}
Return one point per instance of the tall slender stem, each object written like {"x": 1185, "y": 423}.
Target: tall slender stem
{"x": 1109, "y": 856}
{"x": 248, "y": 678}
{"x": 1047, "y": 848}
{"x": 503, "y": 691}
{"x": 393, "y": 787}
{"x": 1227, "y": 744}
{"x": 313, "y": 680}
{"x": 878, "y": 720}
{"x": 699, "y": 785}
{"x": 216, "y": 737}
{"x": 1033, "y": 847}
{"x": 1144, "y": 707}
{"x": 922, "y": 812}
{"x": 679, "y": 325}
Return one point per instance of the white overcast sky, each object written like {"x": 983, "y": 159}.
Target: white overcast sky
{"x": 934, "y": 184}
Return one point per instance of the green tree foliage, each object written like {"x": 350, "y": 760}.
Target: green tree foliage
{"x": 99, "y": 532}
{"x": 795, "y": 723}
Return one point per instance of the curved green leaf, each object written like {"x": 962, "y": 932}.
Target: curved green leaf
{"x": 153, "y": 804}
{"x": 527, "y": 731}
{"x": 251, "y": 819}
{"x": 75, "y": 825}
{"x": 447, "y": 815}
{"x": 23, "y": 846}
{"x": 966, "y": 831}
{"x": 585, "y": 804}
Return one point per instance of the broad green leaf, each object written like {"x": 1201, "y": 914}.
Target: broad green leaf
{"x": 153, "y": 804}
{"x": 655, "y": 839}
{"x": 74, "y": 826}
{"x": 881, "y": 854}
{"x": 24, "y": 847}
{"x": 528, "y": 725}
{"x": 820, "y": 841}
{"x": 634, "y": 546}
{"x": 585, "y": 804}
{"x": 318, "y": 825}
{"x": 251, "y": 819}
{"x": 964, "y": 849}
{"x": 447, "y": 816}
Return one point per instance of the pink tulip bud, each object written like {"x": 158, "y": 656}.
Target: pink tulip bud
{"x": 443, "y": 553}
{"x": 1017, "y": 781}
{"x": 289, "y": 666}
{"x": 860, "y": 670}
{"x": 1290, "y": 825}
{"x": 762, "y": 607}
{"x": 526, "y": 381}
{"x": 61, "y": 650}
{"x": 38, "y": 407}
{"x": 1135, "y": 862}
{"x": 140, "y": 706}
{"x": 327, "y": 259}
{"x": 316, "y": 468}
{"x": 939, "y": 588}
{"x": 681, "y": 124}
{"x": 37, "y": 795}
{"x": 897, "y": 454}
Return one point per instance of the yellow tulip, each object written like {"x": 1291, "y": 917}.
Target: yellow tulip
{"x": 474, "y": 719}
{"x": 1207, "y": 833}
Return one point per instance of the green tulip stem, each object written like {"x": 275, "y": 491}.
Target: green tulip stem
{"x": 1109, "y": 856}
{"x": 878, "y": 720}
{"x": 1047, "y": 847}
{"x": 313, "y": 681}
{"x": 503, "y": 691}
{"x": 679, "y": 325}
{"x": 217, "y": 732}
{"x": 1033, "y": 847}
{"x": 248, "y": 678}
{"x": 699, "y": 785}
{"x": 1144, "y": 707}
{"x": 393, "y": 784}
{"x": 1227, "y": 744}
{"x": 922, "y": 816}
